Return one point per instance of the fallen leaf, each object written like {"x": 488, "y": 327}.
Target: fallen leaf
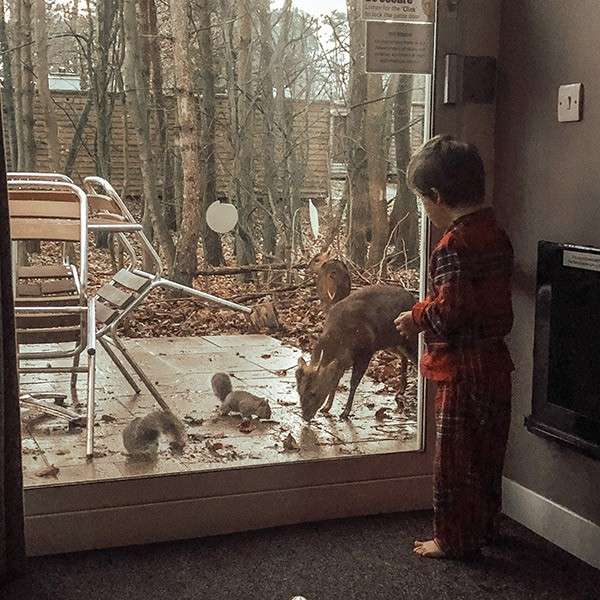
{"x": 265, "y": 356}
{"x": 290, "y": 444}
{"x": 47, "y": 471}
{"x": 381, "y": 414}
{"x": 213, "y": 446}
{"x": 281, "y": 372}
{"x": 286, "y": 403}
{"x": 62, "y": 452}
{"x": 370, "y": 405}
{"x": 247, "y": 426}
{"x": 193, "y": 420}
{"x": 108, "y": 418}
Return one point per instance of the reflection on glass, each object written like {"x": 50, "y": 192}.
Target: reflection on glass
{"x": 243, "y": 120}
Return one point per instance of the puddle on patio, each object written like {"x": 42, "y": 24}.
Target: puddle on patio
{"x": 182, "y": 369}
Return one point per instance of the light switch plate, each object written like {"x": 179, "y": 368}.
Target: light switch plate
{"x": 570, "y": 102}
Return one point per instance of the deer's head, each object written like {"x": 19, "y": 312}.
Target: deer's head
{"x": 317, "y": 261}
{"x": 315, "y": 382}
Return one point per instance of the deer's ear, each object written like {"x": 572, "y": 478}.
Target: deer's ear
{"x": 301, "y": 363}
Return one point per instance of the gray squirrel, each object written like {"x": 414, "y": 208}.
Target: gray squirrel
{"x": 141, "y": 436}
{"x": 245, "y": 403}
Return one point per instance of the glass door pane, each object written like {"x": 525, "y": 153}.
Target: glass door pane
{"x": 284, "y": 163}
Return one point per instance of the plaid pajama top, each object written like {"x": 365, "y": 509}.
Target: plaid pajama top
{"x": 469, "y": 311}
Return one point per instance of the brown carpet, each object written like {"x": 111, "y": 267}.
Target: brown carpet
{"x": 364, "y": 559}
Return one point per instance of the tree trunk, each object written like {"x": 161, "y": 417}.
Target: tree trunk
{"x": 17, "y": 73}
{"x": 271, "y": 192}
{"x": 136, "y": 89}
{"x": 8, "y": 91}
{"x": 283, "y": 122}
{"x": 152, "y": 35}
{"x": 105, "y": 18}
{"x": 78, "y": 135}
{"x": 405, "y": 214}
{"x": 357, "y": 155}
{"x": 245, "y": 251}
{"x": 213, "y": 251}
{"x": 186, "y": 261}
{"x": 377, "y": 144}
{"x": 27, "y": 154}
{"x": 41, "y": 35}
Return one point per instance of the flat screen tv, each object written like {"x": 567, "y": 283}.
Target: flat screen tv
{"x": 566, "y": 368}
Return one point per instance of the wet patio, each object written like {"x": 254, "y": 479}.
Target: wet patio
{"x": 182, "y": 369}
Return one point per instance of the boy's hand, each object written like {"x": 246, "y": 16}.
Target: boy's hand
{"x": 406, "y": 325}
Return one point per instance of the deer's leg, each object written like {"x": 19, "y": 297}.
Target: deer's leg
{"x": 359, "y": 368}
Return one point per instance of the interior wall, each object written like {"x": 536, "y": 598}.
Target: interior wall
{"x": 547, "y": 186}
{"x": 466, "y": 29}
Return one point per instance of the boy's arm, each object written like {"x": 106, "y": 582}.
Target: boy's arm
{"x": 454, "y": 303}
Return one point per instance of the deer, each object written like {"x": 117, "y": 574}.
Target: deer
{"x": 355, "y": 329}
{"x": 332, "y": 278}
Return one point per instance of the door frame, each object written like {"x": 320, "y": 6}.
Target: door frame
{"x": 157, "y": 508}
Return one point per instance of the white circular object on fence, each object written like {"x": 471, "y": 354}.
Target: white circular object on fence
{"x": 221, "y": 217}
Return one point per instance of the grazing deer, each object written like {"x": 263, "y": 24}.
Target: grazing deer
{"x": 355, "y": 328}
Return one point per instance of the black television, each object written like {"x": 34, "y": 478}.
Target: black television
{"x": 566, "y": 365}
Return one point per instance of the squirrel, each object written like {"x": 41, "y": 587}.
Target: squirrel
{"x": 141, "y": 436}
{"x": 245, "y": 403}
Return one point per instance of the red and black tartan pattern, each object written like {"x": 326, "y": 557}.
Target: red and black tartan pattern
{"x": 469, "y": 310}
{"x": 473, "y": 420}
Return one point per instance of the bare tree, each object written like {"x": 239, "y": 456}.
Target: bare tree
{"x": 237, "y": 34}
{"x": 42, "y": 72}
{"x": 213, "y": 251}
{"x": 102, "y": 78}
{"x": 357, "y": 155}
{"x": 8, "y": 90}
{"x": 377, "y": 143}
{"x": 136, "y": 88}
{"x": 405, "y": 216}
{"x": 185, "y": 266}
{"x": 27, "y": 150}
{"x": 271, "y": 192}
{"x": 152, "y": 38}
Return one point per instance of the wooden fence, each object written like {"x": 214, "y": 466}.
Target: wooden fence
{"x": 311, "y": 123}
{"x": 318, "y": 131}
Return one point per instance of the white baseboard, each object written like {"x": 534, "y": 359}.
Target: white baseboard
{"x": 554, "y": 522}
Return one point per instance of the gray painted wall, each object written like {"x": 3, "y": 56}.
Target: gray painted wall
{"x": 547, "y": 186}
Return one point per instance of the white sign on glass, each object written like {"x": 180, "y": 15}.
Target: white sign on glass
{"x": 221, "y": 217}
{"x": 414, "y": 11}
{"x": 399, "y": 48}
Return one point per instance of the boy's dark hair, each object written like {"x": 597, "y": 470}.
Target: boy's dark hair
{"x": 453, "y": 168}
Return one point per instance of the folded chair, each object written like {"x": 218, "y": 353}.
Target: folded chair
{"x": 130, "y": 286}
{"x": 51, "y": 301}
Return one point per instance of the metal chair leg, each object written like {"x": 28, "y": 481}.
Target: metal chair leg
{"x": 117, "y": 361}
{"x": 140, "y": 373}
{"x": 91, "y": 376}
{"x": 91, "y": 405}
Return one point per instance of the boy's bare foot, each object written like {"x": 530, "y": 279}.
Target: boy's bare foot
{"x": 429, "y": 549}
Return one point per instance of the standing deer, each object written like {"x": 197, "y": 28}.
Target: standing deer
{"x": 332, "y": 279}
{"x": 355, "y": 328}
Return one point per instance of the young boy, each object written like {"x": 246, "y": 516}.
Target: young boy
{"x": 465, "y": 319}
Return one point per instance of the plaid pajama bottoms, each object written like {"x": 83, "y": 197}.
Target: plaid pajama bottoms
{"x": 473, "y": 419}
